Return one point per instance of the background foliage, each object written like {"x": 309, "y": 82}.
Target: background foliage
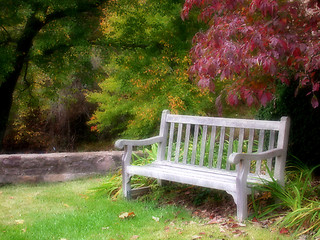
{"x": 49, "y": 57}
{"x": 148, "y": 46}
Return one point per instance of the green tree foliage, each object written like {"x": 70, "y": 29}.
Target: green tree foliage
{"x": 147, "y": 72}
{"x": 45, "y": 45}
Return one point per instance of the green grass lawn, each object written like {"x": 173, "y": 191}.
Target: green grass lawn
{"x": 65, "y": 211}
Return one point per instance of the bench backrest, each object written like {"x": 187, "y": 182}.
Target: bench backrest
{"x": 208, "y": 141}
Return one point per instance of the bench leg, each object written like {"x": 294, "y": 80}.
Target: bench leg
{"x": 162, "y": 183}
{"x": 126, "y": 185}
{"x": 242, "y": 206}
{"x": 241, "y": 202}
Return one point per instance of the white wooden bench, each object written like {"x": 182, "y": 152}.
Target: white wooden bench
{"x": 221, "y": 153}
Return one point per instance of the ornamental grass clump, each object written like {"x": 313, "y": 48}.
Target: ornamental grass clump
{"x": 297, "y": 205}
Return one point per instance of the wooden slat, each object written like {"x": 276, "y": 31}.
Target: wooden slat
{"x": 186, "y": 144}
{"x": 170, "y": 141}
{"x": 260, "y": 149}
{"x": 250, "y": 139}
{"x": 194, "y": 147}
{"x": 177, "y": 153}
{"x": 221, "y": 144}
{"x": 212, "y": 144}
{"x": 240, "y": 140}
{"x": 271, "y": 146}
{"x": 230, "y": 147}
{"x": 224, "y": 122}
{"x": 203, "y": 144}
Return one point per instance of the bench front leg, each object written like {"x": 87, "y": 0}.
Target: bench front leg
{"x": 241, "y": 190}
{"x": 126, "y": 178}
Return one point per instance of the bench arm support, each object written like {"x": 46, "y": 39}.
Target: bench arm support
{"x": 243, "y": 162}
{"x": 148, "y": 141}
{"x": 235, "y": 158}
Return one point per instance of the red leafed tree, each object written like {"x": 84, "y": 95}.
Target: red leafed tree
{"x": 250, "y": 45}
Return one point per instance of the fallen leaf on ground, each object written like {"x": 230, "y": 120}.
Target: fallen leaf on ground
{"x": 134, "y": 237}
{"x": 127, "y": 215}
{"x": 19, "y": 221}
{"x": 284, "y": 231}
{"x": 213, "y": 221}
{"x": 155, "y": 218}
{"x": 196, "y": 237}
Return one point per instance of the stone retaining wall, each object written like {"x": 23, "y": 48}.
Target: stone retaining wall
{"x": 55, "y": 167}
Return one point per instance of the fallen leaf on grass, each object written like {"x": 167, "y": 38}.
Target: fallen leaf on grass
{"x": 284, "y": 231}
{"x": 126, "y": 215}
{"x": 66, "y": 205}
{"x": 19, "y": 221}
{"x": 196, "y": 237}
{"x": 213, "y": 221}
{"x": 156, "y": 219}
{"x": 255, "y": 219}
{"x": 84, "y": 196}
{"x": 167, "y": 228}
{"x": 238, "y": 233}
{"x": 134, "y": 237}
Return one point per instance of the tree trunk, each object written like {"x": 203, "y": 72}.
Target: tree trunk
{"x": 24, "y": 44}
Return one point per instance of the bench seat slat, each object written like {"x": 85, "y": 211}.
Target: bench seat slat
{"x": 200, "y": 177}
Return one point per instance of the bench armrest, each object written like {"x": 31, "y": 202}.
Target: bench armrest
{"x": 148, "y": 141}
{"x": 235, "y": 158}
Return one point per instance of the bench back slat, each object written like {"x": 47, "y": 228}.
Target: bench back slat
{"x": 230, "y": 147}
{"x": 186, "y": 143}
{"x": 221, "y": 147}
{"x": 260, "y": 149}
{"x": 195, "y": 142}
{"x": 171, "y": 134}
{"x": 178, "y": 143}
{"x": 203, "y": 144}
{"x": 271, "y": 146}
{"x": 212, "y": 145}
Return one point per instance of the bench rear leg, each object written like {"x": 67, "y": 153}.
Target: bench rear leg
{"x": 162, "y": 183}
{"x": 126, "y": 185}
